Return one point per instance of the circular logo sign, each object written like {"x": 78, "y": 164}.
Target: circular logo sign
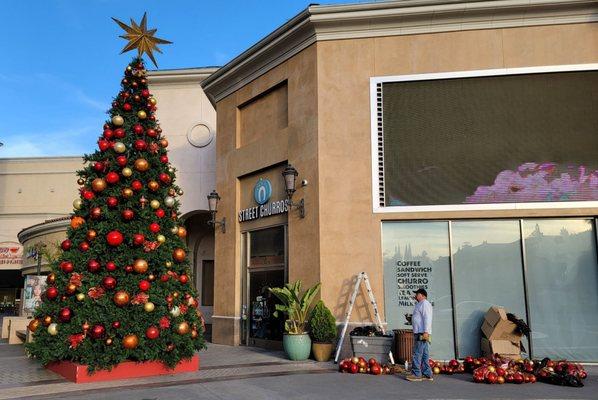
{"x": 262, "y": 191}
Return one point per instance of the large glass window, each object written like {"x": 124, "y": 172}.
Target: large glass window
{"x": 488, "y": 271}
{"x": 562, "y": 277}
{"x": 417, "y": 255}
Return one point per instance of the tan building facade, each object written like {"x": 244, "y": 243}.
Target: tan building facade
{"x": 306, "y": 95}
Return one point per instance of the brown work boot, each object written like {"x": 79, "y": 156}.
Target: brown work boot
{"x": 413, "y": 378}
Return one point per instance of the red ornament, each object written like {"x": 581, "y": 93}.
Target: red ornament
{"x": 93, "y": 266}
{"x": 140, "y": 145}
{"x": 145, "y": 93}
{"x": 152, "y": 332}
{"x": 112, "y": 177}
{"x": 88, "y": 194}
{"x": 66, "y": 244}
{"x": 84, "y": 246}
{"x": 95, "y": 213}
{"x": 119, "y": 133}
{"x": 116, "y": 324}
{"x": 112, "y": 202}
{"x": 138, "y": 129}
{"x": 138, "y": 239}
{"x": 98, "y": 331}
{"x": 164, "y": 278}
{"x": 99, "y": 166}
{"x": 152, "y": 132}
{"x": 51, "y": 293}
{"x": 67, "y": 267}
{"x": 154, "y": 227}
{"x": 164, "y": 159}
{"x": 128, "y": 214}
{"x": 104, "y": 144}
{"x": 129, "y": 268}
{"x": 164, "y": 322}
{"x": 65, "y": 314}
{"x": 144, "y": 285}
{"x": 110, "y": 266}
{"x": 164, "y": 177}
{"x": 127, "y": 107}
{"x": 108, "y": 134}
{"x": 121, "y": 161}
{"x": 109, "y": 283}
{"x": 183, "y": 279}
{"x": 114, "y": 238}
{"x": 160, "y": 213}
{"x": 136, "y": 186}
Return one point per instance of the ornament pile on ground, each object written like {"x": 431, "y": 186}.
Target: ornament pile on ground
{"x": 121, "y": 289}
{"x": 359, "y": 365}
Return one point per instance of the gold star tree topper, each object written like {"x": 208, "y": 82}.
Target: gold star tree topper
{"x": 141, "y": 38}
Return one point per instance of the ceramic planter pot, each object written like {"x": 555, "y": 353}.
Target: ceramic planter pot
{"x": 322, "y": 351}
{"x": 297, "y": 347}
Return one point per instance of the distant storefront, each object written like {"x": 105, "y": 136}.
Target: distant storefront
{"x": 450, "y": 146}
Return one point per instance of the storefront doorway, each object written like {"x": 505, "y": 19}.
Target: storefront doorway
{"x": 265, "y": 266}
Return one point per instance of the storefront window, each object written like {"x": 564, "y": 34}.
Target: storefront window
{"x": 416, "y": 254}
{"x": 562, "y": 277}
{"x": 487, "y": 271}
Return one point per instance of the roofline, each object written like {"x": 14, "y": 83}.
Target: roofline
{"x": 180, "y": 76}
{"x": 389, "y": 18}
{"x": 42, "y": 158}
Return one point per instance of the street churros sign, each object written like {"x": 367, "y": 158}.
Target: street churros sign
{"x": 11, "y": 255}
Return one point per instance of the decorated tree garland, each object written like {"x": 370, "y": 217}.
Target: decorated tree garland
{"x": 121, "y": 289}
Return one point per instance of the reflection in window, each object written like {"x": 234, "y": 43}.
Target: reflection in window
{"x": 267, "y": 247}
{"x": 416, "y": 254}
{"x": 562, "y": 277}
{"x": 488, "y": 271}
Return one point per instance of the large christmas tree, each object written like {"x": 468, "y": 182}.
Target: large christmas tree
{"x": 121, "y": 289}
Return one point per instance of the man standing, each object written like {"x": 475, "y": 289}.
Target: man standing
{"x": 422, "y": 329}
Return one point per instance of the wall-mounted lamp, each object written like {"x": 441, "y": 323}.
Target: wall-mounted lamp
{"x": 213, "y": 199}
{"x": 290, "y": 179}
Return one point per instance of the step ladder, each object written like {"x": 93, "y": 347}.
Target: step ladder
{"x": 361, "y": 277}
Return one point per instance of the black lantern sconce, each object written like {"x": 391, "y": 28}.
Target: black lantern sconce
{"x": 213, "y": 199}
{"x": 290, "y": 180}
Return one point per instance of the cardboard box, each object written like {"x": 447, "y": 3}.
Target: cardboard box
{"x": 502, "y": 347}
{"x": 495, "y": 314}
{"x": 504, "y": 330}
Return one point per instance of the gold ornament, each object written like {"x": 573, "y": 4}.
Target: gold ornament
{"x": 53, "y": 329}
{"x": 77, "y": 204}
{"x": 80, "y": 296}
{"x": 71, "y": 288}
{"x": 160, "y": 238}
{"x": 194, "y": 334}
{"x": 127, "y": 192}
{"x": 33, "y": 324}
{"x": 153, "y": 185}
{"x": 174, "y": 230}
{"x": 51, "y": 278}
{"x": 141, "y": 38}
{"x": 182, "y": 328}
{"x": 141, "y": 114}
{"x": 180, "y": 192}
{"x": 141, "y": 165}
{"x": 175, "y": 295}
{"x": 130, "y": 342}
{"x": 98, "y": 185}
{"x": 149, "y": 306}
{"x": 117, "y": 120}
{"x": 171, "y": 170}
{"x": 182, "y": 232}
{"x": 80, "y": 181}
{"x": 47, "y": 320}
{"x": 164, "y": 142}
{"x": 140, "y": 266}
{"x": 168, "y": 264}
{"x": 109, "y": 342}
{"x": 121, "y": 298}
{"x": 120, "y": 147}
{"x": 155, "y": 204}
{"x": 91, "y": 235}
{"x": 175, "y": 311}
{"x": 153, "y": 101}
{"x": 179, "y": 255}
{"x": 127, "y": 172}
{"x": 151, "y": 277}
{"x": 171, "y": 192}
{"x": 169, "y": 201}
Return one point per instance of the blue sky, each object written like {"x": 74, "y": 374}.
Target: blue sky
{"x": 60, "y": 64}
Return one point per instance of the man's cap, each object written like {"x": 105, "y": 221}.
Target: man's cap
{"x": 421, "y": 291}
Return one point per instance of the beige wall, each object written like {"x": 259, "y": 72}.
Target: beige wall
{"x": 350, "y": 238}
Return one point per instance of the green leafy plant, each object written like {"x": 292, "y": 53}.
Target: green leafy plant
{"x": 322, "y": 324}
{"x": 294, "y": 305}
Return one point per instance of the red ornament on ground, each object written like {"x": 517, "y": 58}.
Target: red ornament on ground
{"x": 93, "y": 266}
{"x": 66, "y": 244}
{"x": 154, "y": 227}
{"x": 51, "y": 293}
{"x": 152, "y": 332}
{"x": 112, "y": 178}
{"x": 110, "y": 266}
{"x": 114, "y": 238}
{"x": 144, "y": 285}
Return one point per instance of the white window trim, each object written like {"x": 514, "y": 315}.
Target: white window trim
{"x": 374, "y": 81}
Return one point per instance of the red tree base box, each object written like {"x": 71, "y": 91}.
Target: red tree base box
{"x": 129, "y": 369}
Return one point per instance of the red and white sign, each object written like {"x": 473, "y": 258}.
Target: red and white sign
{"x": 11, "y": 255}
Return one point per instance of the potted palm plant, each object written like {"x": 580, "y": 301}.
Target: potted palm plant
{"x": 296, "y": 341}
{"x": 322, "y": 326}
